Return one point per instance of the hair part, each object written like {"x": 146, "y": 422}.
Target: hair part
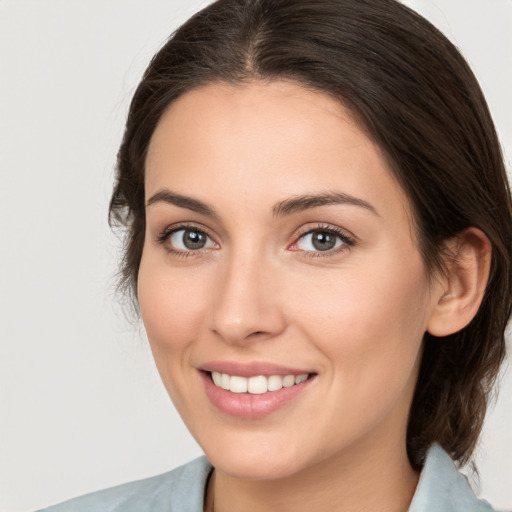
{"x": 414, "y": 94}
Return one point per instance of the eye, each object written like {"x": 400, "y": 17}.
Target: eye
{"x": 189, "y": 239}
{"x": 322, "y": 240}
{"x": 319, "y": 241}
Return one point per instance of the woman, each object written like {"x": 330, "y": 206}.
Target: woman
{"x": 319, "y": 240}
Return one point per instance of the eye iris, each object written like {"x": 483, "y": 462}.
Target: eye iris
{"x": 194, "y": 239}
{"x": 323, "y": 241}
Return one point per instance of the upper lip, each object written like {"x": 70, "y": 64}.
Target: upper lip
{"x": 251, "y": 369}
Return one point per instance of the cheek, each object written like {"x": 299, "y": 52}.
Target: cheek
{"x": 370, "y": 325}
{"x": 171, "y": 307}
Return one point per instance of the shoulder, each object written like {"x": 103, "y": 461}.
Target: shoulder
{"x": 180, "y": 489}
{"x": 442, "y": 487}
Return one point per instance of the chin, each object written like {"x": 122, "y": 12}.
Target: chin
{"x": 254, "y": 461}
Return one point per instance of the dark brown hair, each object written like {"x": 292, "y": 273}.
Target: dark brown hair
{"x": 416, "y": 97}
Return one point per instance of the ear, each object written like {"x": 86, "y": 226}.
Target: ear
{"x": 463, "y": 286}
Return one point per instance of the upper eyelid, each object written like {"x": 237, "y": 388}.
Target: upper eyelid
{"x": 178, "y": 226}
{"x": 338, "y": 230}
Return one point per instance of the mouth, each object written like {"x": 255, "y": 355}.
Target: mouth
{"x": 258, "y": 393}
{"x": 257, "y": 385}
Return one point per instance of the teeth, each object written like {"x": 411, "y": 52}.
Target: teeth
{"x": 256, "y": 385}
{"x": 237, "y": 384}
{"x": 217, "y": 378}
{"x": 301, "y": 378}
{"x": 274, "y": 383}
{"x": 224, "y": 381}
{"x": 288, "y": 381}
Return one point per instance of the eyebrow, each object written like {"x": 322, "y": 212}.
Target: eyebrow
{"x": 166, "y": 196}
{"x": 281, "y": 209}
{"x": 306, "y": 202}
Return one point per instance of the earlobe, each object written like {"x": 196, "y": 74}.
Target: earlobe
{"x": 463, "y": 286}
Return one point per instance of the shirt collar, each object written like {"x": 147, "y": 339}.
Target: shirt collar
{"x": 442, "y": 488}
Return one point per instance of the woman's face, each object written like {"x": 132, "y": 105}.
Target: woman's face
{"x": 280, "y": 248}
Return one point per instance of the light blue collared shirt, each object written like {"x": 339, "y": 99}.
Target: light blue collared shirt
{"x": 441, "y": 488}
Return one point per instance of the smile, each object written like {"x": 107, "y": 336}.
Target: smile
{"x": 256, "y": 385}
{"x": 253, "y": 391}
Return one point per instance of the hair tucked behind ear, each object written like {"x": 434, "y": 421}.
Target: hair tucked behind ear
{"x": 416, "y": 97}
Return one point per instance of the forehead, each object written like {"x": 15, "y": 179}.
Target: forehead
{"x": 277, "y": 138}
{"x": 246, "y": 114}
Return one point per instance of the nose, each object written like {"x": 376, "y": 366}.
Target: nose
{"x": 246, "y": 305}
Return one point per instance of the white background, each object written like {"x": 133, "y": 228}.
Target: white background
{"x": 81, "y": 404}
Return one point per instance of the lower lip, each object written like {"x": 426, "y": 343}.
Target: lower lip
{"x": 247, "y": 405}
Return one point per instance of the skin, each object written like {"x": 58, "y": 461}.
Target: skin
{"x": 355, "y": 316}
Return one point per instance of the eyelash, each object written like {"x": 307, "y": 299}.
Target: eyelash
{"x": 347, "y": 241}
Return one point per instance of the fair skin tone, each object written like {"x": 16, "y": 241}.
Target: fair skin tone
{"x": 276, "y": 235}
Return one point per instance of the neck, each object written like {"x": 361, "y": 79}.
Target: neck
{"x": 383, "y": 481}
